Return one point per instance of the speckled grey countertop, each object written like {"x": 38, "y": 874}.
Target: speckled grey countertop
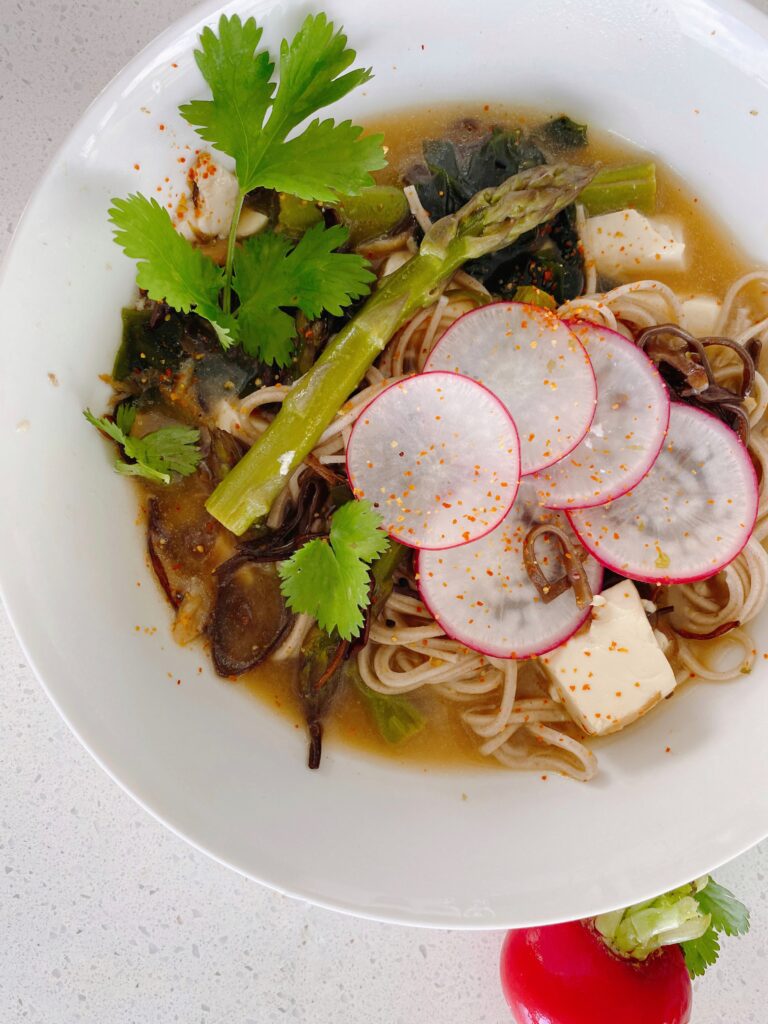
{"x": 106, "y": 917}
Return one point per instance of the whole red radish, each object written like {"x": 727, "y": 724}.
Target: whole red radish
{"x": 631, "y": 966}
{"x": 566, "y": 974}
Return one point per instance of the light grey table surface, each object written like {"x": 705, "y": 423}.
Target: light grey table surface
{"x": 107, "y": 918}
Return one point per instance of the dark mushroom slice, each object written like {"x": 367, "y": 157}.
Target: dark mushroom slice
{"x": 249, "y": 615}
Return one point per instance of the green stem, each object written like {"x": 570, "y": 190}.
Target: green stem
{"x": 231, "y": 241}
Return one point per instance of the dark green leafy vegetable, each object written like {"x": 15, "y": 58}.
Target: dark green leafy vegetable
{"x": 455, "y": 172}
{"x": 549, "y": 257}
{"x": 563, "y": 133}
{"x": 147, "y": 347}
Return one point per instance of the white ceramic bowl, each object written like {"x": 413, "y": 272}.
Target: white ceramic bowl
{"x": 467, "y": 848}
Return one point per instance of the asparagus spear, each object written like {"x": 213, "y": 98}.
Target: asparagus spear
{"x": 615, "y": 188}
{"x": 491, "y": 220}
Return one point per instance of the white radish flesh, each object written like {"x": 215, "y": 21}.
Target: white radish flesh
{"x": 689, "y": 516}
{"x": 535, "y": 365}
{"x": 627, "y": 432}
{"x": 482, "y": 596}
{"x": 438, "y": 457}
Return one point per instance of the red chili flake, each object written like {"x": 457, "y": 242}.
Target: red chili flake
{"x": 667, "y": 750}
{"x": 161, "y": 127}
{"x": 174, "y": 65}
{"x": 137, "y": 167}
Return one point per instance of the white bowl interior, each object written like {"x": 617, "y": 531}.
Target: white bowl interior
{"x": 455, "y": 848}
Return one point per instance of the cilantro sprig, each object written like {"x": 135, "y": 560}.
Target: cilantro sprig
{"x": 727, "y": 916}
{"x": 330, "y": 579}
{"x": 156, "y": 455}
{"x": 249, "y": 116}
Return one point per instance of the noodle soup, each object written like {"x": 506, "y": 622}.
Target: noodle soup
{"x": 407, "y": 685}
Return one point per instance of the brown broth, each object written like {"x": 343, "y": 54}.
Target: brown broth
{"x": 714, "y": 262}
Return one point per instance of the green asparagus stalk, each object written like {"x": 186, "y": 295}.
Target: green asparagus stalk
{"x": 491, "y": 220}
{"x": 616, "y": 188}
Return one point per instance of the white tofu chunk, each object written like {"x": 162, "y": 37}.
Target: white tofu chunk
{"x": 627, "y": 242}
{"x": 613, "y": 671}
{"x": 700, "y": 315}
{"x": 214, "y": 197}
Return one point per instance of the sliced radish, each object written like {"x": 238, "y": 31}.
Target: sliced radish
{"x": 438, "y": 456}
{"x": 536, "y": 366}
{"x": 689, "y": 516}
{"x": 627, "y": 432}
{"x": 482, "y": 596}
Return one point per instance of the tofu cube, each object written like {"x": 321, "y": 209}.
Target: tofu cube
{"x": 612, "y": 671}
{"x": 627, "y": 242}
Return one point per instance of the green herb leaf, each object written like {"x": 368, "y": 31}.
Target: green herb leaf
{"x": 701, "y": 953}
{"x": 156, "y": 455}
{"x": 326, "y": 161}
{"x": 270, "y": 273}
{"x": 330, "y": 580}
{"x": 169, "y": 267}
{"x": 311, "y": 77}
{"x": 242, "y": 89}
{"x": 728, "y": 914}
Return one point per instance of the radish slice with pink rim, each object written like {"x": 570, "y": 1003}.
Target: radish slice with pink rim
{"x": 438, "y": 457}
{"x": 627, "y": 432}
{"x": 482, "y": 596}
{"x": 689, "y": 516}
{"x": 535, "y": 365}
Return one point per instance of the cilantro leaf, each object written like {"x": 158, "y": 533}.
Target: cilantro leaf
{"x": 356, "y": 529}
{"x": 330, "y": 580}
{"x": 157, "y": 454}
{"x": 270, "y": 274}
{"x": 326, "y": 161}
{"x": 240, "y": 81}
{"x": 701, "y": 953}
{"x": 728, "y": 914}
{"x": 169, "y": 267}
{"x": 311, "y": 77}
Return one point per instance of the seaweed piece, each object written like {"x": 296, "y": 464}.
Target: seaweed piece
{"x": 562, "y": 133}
{"x": 548, "y": 258}
{"x": 454, "y": 172}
